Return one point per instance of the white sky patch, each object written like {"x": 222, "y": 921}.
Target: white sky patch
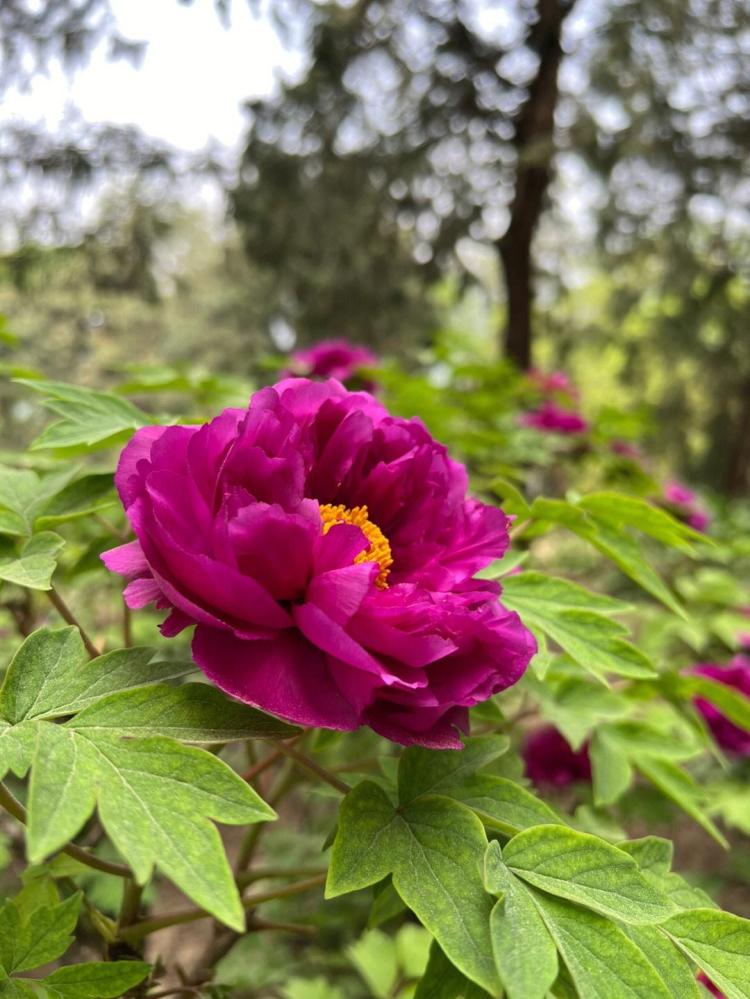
{"x": 190, "y": 86}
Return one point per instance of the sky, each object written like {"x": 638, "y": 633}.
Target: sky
{"x": 189, "y": 87}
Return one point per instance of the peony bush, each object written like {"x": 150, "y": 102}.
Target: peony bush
{"x": 367, "y": 683}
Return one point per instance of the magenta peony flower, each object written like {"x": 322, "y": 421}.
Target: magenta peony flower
{"x": 735, "y": 674}
{"x": 325, "y": 551}
{"x": 332, "y": 359}
{"x": 549, "y": 759}
{"x": 708, "y": 984}
{"x": 551, "y": 418}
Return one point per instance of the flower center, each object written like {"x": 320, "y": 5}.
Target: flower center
{"x": 379, "y": 550}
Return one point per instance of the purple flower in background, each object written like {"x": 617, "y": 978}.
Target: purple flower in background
{"x": 332, "y": 359}
{"x": 708, "y": 984}
{"x": 686, "y": 505}
{"x": 549, "y": 759}
{"x": 325, "y": 552}
{"x": 679, "y": 495}
{"x": 551, "y": 418}
{"x": 735, "y": 674}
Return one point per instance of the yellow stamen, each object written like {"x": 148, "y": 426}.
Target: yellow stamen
{"x": 379, "y": 550}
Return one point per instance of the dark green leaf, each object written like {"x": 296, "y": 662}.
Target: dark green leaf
{"x": 443, "y": 980}
{"x": 430, "y": 771}
{"x": 194, "y": 712}
{"x": 95, "y": 980}
{"x": 527, "y": 971}
{"x": 587, "y": 870}
{"x": 602, "y": 961}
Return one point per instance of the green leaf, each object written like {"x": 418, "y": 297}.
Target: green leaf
{"x": 666, "y": 959}
{"x": 654, "y": 857}
{"x": 95, "y": 980}
{"x": 88, "y": 417}
{"x": 603, "y": 962}
{"x": 576, "y": 620}
{"x": 530, "y": 970}
{"x": 730, "y": 702}
{"x": 680, "y": 787}
{"x": 587, "y": 870}
{"x": 36, "y": 563}
{"x": 23, "y": 494}
{"x": 430, "y": 771}
{"x": 44, "y": 937}
{"x": 554, "y": 593}
{"x": 51, "y": 675}
{"x": 374, "y": 957}
{"x": 636, "y": 739}
{"x": 613, "y": 542}
{"x": 619, "y": 510}
{"x": 610, "y": 770}
{"x": 194, "y": 712}
{"x": 719, "y": 943}
{"x": 16, "y": 748}
{"x": 443, "y": 980}
{"x": 502, "y": 804}
{"x": 86, "y": 495}
{"x": 652, "y": 853}
{"x": 433, "y": 847}
{"x": 155, "y": 797}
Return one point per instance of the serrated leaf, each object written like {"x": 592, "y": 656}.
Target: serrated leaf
{"x": 719, "y": 943}
{"x": 666, "y": 959}
{"x": 587, "y": 870}
{"x": 156, "y": 799}
{"x": 429, "y": 771}
{"x": 530, "y": 970}
{"x": 617, "y": 545}
{"x": 443, "y": 980}
{"x": 193, "y": 712}
{"x": 620, "y": 510}
{"x": 95, "y": 980}
{"x": 34, "y": 566}
{"x": 573, "y": 619}
{"x": 45, "y": 936}
{"x": 88, "y": 417}
{"x": 433, "y": 848}
{"x": 603, "y": 962}
{"x": 680, "y": 787}
{"x": 51, "y": 675}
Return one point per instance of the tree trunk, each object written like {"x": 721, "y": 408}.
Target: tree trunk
{"x": 738, "y": 477}
{"x": 534, "y": 143}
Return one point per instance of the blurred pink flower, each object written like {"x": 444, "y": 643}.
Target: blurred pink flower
{"x": 326, "y": 553}
{"x": 549, "y": 759}
{"x": 332, "y": 359}
{"x": 684, "y": 503}
{"x": 551, "y": 418}
{"x": 735, "y": 674}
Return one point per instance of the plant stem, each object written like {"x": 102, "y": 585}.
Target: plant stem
{"x": 515, "y": 532}
{"x": 131, "y": 902}
{"x": 309, "y": 764}
{"x": 67, "y": 615}
{"x": 153, "y": 925}
{"x": 16, "y": 809}
{"x": 127, "y": 627}
{"x": 261, "y": 873}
